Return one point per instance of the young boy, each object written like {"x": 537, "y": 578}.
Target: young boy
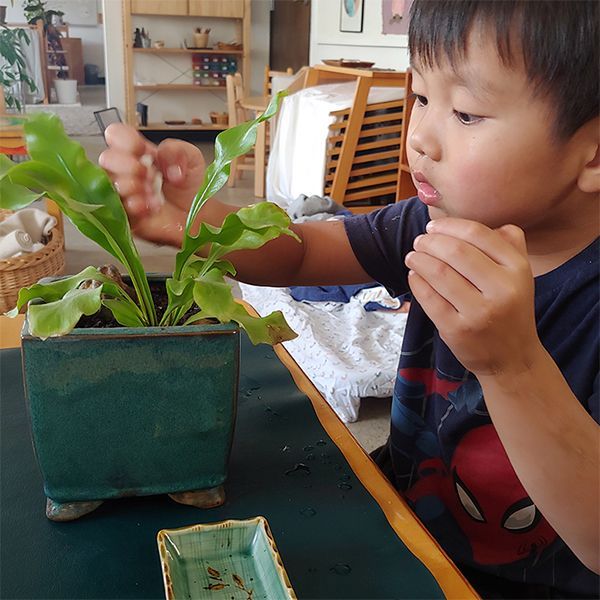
{"x": 494, "y": 435}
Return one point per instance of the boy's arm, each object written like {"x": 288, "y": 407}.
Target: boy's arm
{"x": 324, "y": 256}
{"x": 477, "y": 287}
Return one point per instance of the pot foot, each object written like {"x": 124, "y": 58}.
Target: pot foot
{"x": 209, "y": 498}
{"x": 69, "y": 511}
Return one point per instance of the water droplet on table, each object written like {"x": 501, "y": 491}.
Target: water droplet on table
{"x": 344, "y": 486}
{"x": 341, "y": 569}
{"x": 308, "y": 512}
{"x": 298, "y": 469}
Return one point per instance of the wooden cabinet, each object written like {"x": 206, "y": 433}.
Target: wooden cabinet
{"x": 229, "y": 9}
{"x": 160, "y": 7}
{"x": 179, "y": 84}
{"x": 217, "y": 8}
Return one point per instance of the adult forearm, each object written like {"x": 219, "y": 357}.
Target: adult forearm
{"x": 554, "y": 447}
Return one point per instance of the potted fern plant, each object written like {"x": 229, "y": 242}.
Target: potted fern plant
{"x": 148, "y": 406}
{"x": 13, "y": 69}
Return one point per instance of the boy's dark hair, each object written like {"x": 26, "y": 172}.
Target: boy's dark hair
{"x": 558, "y": 39}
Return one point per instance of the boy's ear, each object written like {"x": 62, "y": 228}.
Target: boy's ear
{"x": 589, "y": 177}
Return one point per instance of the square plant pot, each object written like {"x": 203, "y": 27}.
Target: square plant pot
{"x": 131, "y": 412}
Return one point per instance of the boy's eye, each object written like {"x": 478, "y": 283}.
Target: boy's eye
{"x": 420, "y": 100}
{"x": 466, "y": 118}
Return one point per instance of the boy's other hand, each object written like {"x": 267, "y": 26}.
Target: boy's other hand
{"x": 181, "y": 166}
{"x": 476, "y": 285}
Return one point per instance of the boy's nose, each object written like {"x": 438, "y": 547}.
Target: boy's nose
{"x": 423, "y": 135}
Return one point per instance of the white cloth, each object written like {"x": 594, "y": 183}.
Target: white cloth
{"x": 15, "y": 243}
{"x": 347, "y": 352}
{"x": 24, "y": 231}
{"x": 298, "y": 147}
{"x": 32, "y": 56}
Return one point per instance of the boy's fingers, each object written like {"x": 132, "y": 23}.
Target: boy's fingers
{"x": 126, "y": 139}
{"x": 130, "y": 186}
{"x": 456, "y": 254}
{"x": 136, "y": 207}
{"x": 514, "y": 235}
{"x": 452, "y": 285}
{"x": 120, "y": 163}
{"x": 489, "y": 241}
{"x": 181, "y": 163}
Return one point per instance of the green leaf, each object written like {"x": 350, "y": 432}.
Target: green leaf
{"x": 229, "y": 144}
{"x": 60, "y": 317}
{"x": 55, "y": 290}
{"x": 5, "y": 164}
{"x": 180, "y": 299}
{"x": 249, "y": 228}
{"x": 14, "y": 196}
{"x": 83, "y": 191}
{"x": 215, "y": 298}
{"x": 124, "y": 312}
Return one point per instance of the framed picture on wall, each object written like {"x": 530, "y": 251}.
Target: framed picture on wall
{"x": 351, "y": 15}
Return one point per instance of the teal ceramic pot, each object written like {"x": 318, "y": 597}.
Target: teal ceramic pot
{"x": 132, "y": 412}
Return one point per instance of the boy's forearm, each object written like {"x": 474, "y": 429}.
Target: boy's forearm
{"x": 322, "y": 257}
{"x": 553, "y": 445}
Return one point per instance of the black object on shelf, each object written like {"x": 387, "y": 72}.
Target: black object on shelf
{"x": 142, "y": 109}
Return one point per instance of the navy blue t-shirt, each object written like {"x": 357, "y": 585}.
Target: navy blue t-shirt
{"x": 446, "y": 455}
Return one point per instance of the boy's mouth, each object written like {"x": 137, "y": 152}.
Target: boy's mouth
{"x": 425, "y": 191}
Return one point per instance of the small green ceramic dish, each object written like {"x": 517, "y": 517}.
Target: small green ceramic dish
{"x": 229, "y": 559}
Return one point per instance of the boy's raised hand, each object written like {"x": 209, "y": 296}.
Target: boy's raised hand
{"x": 181, "y": 166}
{"x": 476, "y": 285}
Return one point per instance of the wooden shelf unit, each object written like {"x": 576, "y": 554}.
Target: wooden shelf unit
{"x": 179, "y": 87}
{"x": 238, "y": 11}
{"x": 186, "y": 51}
{"x": 186, "y": 127}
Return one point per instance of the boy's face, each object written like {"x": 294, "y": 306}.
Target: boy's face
{"x": 480, "y": 144}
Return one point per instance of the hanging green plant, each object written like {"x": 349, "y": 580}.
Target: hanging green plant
{"x": 13, "y": 68}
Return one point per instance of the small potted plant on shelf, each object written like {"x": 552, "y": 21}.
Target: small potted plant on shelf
{"x": 147, "y": 406}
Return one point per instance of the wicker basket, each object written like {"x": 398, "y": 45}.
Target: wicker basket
{"x": 219, "y": 118}
{"x": 25, "y": 270}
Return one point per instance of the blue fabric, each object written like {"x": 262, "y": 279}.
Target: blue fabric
{"x": 331, "y": 293}
{"x": 445, "y": 453}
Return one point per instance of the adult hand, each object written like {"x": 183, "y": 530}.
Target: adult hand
{"x": 476, "y": 285}
{"x": 152, "y": 217}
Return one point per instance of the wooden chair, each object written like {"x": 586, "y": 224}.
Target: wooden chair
{"x": 268, "y": 80}
{"x": 405, "y": 187}
{"x": 12, "y": 140}
{"x": 237, "y": 115}
{"x": 366, "y": 143}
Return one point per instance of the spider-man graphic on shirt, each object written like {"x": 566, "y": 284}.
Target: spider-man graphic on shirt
{"x": 471, "y": 478}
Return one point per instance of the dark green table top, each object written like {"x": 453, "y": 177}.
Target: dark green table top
{"x": 334, "y": 539}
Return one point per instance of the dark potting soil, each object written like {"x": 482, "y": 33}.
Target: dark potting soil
{"x": 104, "y": 318}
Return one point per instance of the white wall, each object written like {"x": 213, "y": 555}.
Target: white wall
{"x": 114, "y": 54}
{"x": 91, "y": 36}
{"x": 327, "y": 41}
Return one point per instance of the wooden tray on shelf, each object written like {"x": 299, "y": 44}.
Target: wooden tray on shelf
{"x": 348, "y": 63}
